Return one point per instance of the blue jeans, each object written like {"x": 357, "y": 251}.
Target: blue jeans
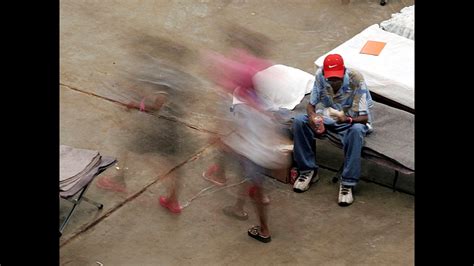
{"x": 352, "y": 137}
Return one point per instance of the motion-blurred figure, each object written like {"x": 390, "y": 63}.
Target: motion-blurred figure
{"x": 256, "y": 138}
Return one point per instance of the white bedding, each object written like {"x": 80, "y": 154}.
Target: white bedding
{"x": 391, "y": 73}
{"x": 402, "y": 23}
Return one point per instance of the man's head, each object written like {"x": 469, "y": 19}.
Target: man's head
{"x": 333, "y": 66}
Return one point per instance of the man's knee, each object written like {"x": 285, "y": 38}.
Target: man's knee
{"x": 300, "y": 120}
{"x": 358, "y": 129}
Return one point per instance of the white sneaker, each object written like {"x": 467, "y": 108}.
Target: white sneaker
{"x": 345, "y": 195}
{"x": 304, "y": 180}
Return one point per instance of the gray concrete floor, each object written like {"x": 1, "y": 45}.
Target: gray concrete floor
{"x": 105, "y": 43}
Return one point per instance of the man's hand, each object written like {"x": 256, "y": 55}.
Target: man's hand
{"x": 315, "y": 120}
{"x": 316, "y": 123}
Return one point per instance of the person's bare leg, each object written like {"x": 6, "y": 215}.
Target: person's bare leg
{"x": 261, "y": 209}
{"x": 239, "y": 204}
{"x": 237, "y": 210}
{"x": 172, "y": 190}
{"x": 121, "y": 176}
{"x": 216, "y": 173}
{"x": 170, "y": 201}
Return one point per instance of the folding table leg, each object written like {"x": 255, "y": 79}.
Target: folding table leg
{"x": 67, "y": 219}
{"x": 76, "y": 202}
{"x": 98, "y": 205}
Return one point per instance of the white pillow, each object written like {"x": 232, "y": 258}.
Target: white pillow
{"x": 283, "y": 86}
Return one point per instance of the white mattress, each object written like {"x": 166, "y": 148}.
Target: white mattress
{"x": 391, "y": 73}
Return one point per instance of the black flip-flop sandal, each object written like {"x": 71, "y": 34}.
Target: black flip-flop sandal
{"x": 254, "y": 232}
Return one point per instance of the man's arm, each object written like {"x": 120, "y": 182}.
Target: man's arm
{"x": 313, "y": 109}
{"x": 362, "y": 119}
{"x": 310, "y": 110}
{"x": 314, "y": 100}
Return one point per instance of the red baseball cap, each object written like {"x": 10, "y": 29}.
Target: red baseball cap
{"x": 333, "y": 66}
